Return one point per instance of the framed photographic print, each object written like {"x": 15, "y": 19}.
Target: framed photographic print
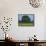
{"x": 25, "y": 19}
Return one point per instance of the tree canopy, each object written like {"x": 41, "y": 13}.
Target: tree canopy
{"x": 25, "y": 19}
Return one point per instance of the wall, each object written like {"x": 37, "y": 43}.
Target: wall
{"x": 11, "y": 8}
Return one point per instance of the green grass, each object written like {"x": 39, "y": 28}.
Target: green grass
{"x": 25, "y": 24}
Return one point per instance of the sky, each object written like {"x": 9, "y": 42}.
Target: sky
{"x": 31, "y": 16}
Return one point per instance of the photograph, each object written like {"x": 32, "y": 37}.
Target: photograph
{"x": 25, "y": 19}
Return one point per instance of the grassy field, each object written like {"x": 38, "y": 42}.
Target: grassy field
{"x": 25, "y": 24}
